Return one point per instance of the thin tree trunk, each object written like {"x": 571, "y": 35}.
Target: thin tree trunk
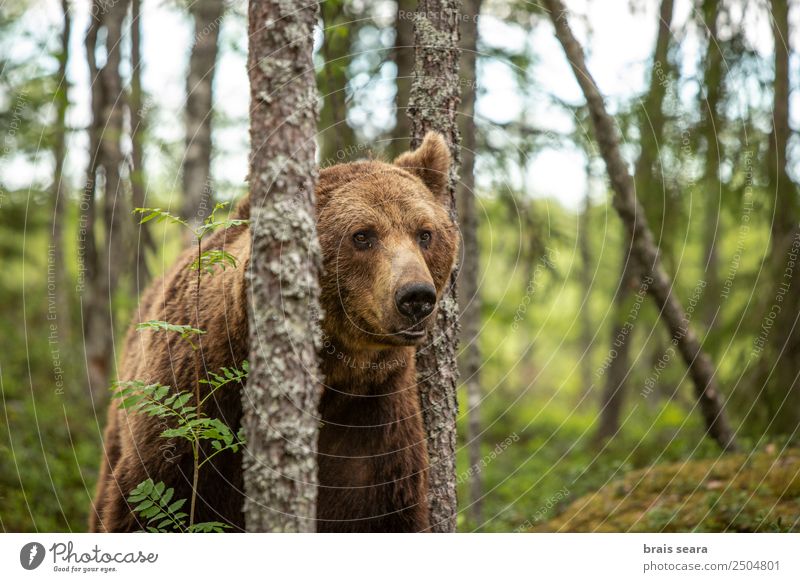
{"x": 433, "y": 106}
{"x": 780, "y": 361}
{"x": 644, "y": 249}
{"x": 336, "y": 136}
{"x": 469, "y": 294}
{"x": 103, "y": 265}
{"x": 404, "y": 61}
{"x": 713, "y": 78}
{"x": 281, "y": 398}
{"x": 615, "y": 387}
{"x": 59, "y": 191}
{"x": 197, "y": 187}
{"x": 585, "y": 276}
{"x": 145, "y": 241}
{"x": 652, "y": 122}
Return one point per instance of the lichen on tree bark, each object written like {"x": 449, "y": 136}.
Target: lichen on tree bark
{"x": 433, "y": 106}
{"x": 281, "y": 398}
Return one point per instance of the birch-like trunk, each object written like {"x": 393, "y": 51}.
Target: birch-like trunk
{"x": 281, "y": 397}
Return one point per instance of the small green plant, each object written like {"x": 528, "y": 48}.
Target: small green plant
{"x": 181, "y": 410}
{"x": 154, "y": 504}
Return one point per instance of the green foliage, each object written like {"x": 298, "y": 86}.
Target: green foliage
{"x": 159, "y": 215}
{"x": 213, "y": 258}
{"x": 212, "y": 223}
{"x": 186, "y": 332}
{"x": 155, "y": 400}
{"x": 153, "y": 502}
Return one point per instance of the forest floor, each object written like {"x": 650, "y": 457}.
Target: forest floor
{"x": 757, "y": 492}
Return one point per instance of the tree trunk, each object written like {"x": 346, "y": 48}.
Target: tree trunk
{"x": 469, "y": 294}
{"x": 404, "y": 61}
{"x": 197, "y": 187}
{"x": 433, "y": 106}
{"x": 644, "y": 250}
{"x": 336, "y": 136}
{"x": 652, "y": 121}
{"x": 615, "y": 387}
{"x": 779, "y": 367}
{"x": 282, "y": 394}
{"x": 59, "y": 191}
{"x": 585, "y": 277}
{"x": 136, "y": 106}
{"x": 713, "y": 78}
{"x": 103, "y": 265}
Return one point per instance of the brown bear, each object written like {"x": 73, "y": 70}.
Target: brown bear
{"x": 388, "y": 248}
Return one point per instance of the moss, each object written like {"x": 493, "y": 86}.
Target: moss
{"x": 746, "y": 493}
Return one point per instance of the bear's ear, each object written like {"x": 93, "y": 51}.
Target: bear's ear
{"x": 430, "y": 162}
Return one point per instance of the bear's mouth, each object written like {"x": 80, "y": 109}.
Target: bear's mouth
{"x": 411, "y": 336}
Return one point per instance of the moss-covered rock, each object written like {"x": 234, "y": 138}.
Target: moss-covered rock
{"x": 753, "y": 492}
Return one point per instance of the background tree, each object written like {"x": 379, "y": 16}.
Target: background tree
{"x": 59, "y": 190}
{"x": 104, "y": 183}
{"x": 649, "y": 182}
{"x": 778, "y": 380}
{"x": 643, "y": 247}
{"x": 403, "y": 55}
{"x": 469, "y": 272}
{"x": 198, "y": 190}
{"x": 138, "y": 110}
{"x": 282, "y": 393}
{"x": 339, "y": 29}
{"x": 433, "y": 106}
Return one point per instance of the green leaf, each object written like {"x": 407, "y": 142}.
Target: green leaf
{"x": 149, "y": 214}
{"x": 150, "y": 512}
{"x": 158, "y": 490}
{"x": 176, "y": 505}
{"x": 146, "y": 504}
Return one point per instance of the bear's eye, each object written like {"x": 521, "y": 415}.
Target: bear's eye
{"x": 424, "y": 237}
{"x": 363, "y": 239}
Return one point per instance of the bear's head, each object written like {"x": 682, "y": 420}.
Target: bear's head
{"x": 388, "y": 246}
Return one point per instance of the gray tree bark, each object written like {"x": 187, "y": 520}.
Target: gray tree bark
{"x": 433, "y": 106}
{"x": 104, "y": 265}
{"x": 643, "y": 247}
{"x": 137, "y": 108}
{"x": 585, "y": 278}
{"x": 58, "y": 190}
{"x": 469, "y": 293}
{"x": 779, "y": 367}
{"x": 403, "y": 54}
{"x": 282, "y": 394}
{"x": 196, "y": 179}
{"x": 336, "y": 136}
{"x": 713, "y": 85}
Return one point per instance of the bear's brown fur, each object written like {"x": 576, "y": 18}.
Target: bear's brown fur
{"x": 383, "y": 229}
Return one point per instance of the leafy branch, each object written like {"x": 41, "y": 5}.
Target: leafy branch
{"x": 153, "y": 499}
{"x": 186, "y": 332}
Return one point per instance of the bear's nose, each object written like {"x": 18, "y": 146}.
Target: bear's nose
{"x": 415, "y": 300}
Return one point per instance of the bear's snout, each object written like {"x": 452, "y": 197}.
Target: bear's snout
{"x": 415, "y": 300}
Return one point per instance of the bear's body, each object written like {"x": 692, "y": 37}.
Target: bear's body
{"x": 388, "y": 246}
